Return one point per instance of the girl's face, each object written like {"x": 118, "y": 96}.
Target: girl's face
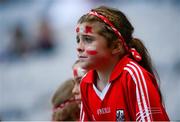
{"x": 92, "y": 48}
{"x": 78, "y": 73}
{"x": 76, "y": 89}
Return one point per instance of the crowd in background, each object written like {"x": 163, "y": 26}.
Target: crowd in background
{"x": 28, "y": 29}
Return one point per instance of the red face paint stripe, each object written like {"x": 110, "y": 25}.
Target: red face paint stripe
{"x": 91, "y": 52}
{"x": 75, "y": 73}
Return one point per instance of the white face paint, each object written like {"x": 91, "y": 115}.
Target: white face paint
{"x": 91, "y": 50}
{"x": 84, "y": 29}
{"x": 81, "y": 29}
{"x": 81, "y": 72}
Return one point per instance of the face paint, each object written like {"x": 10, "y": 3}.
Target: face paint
{"x": 91, "y": 50}
{"x": 88, "y": 29}
{"x": 82, "y": 29}
{"x": 77, "y": 30}
{"x": 79, "y": 72}
{"x": 75, "y": 73}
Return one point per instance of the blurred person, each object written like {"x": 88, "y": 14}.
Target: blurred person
{"x": 45, "y": 41}
{"x": 64, "y": 106}
{"x": 66, "y": 99}
{"x": 19, "y": 46}
{"x": 78, "y": 73}
{"x": 121, "y": 84}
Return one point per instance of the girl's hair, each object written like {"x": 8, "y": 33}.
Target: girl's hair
{"x": 63, "y": 92}
{"x": 122, "y": 24}
{"x": 70, "y": 111}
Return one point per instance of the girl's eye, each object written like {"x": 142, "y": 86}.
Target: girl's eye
{"x": 78, "y": 80}
{"x": 77, "y": 39}
{"x": 87, "y": 39}
{"x": 84, "y": 38}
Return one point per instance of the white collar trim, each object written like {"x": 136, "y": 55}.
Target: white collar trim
{"x": 102, "y": 94}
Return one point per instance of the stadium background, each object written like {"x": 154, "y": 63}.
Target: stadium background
{"x": 29, "y": 77}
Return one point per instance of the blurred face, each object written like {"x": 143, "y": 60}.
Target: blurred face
{"x": 78, "y": 73}
{"x": 92, "y": 49}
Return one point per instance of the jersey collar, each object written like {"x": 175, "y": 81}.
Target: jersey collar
{"x": 119, "y": 68}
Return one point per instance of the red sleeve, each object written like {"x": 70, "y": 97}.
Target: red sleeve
{"x": 85, "y": 113}
{"x": 131, "y": 96}
{"x": 144, "y": 102}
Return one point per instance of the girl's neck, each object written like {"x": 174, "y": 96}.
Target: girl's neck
{"x": 103, "y": 74}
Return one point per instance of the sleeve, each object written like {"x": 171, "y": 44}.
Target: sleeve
{"x": 85, "y": 113}
{"x": 144, "y": 102}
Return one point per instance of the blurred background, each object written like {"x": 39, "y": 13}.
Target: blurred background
{"x": 38, "y": 48}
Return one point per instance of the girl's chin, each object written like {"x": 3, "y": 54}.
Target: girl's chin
{"x": 78, "y": 101}
{"x": 79, "y": 105}
{"x": 85, "y": 65}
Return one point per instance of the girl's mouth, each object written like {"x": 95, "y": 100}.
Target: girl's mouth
{"x": 82, "y": 57}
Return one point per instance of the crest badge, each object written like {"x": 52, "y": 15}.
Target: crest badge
{"x": 120, "y": 115}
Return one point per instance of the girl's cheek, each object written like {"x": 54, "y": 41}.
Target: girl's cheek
{"x": 91, "y": 50}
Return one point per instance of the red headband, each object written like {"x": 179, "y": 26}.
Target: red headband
{"x": 62, "y": 105}
{"x": 133, "y": 51}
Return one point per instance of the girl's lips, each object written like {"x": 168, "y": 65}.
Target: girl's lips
{"x": 78, "y": 99}
{"x": 82, "y": 57}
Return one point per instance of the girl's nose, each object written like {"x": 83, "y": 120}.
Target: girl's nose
{"x": 80, "y": 47}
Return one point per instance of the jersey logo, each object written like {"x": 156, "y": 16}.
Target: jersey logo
{"x": 120, "y": 115}
{"x": 105, "y": 110}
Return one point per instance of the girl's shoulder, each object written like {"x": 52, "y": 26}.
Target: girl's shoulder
{"x": 133, "y": 67}
{"x": 87, "y": 79}
{"x": 136, "y": 73}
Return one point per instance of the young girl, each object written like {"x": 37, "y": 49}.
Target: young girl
{"x": 78, "y": 74}
{"x": 121, "y": 84}
{"x": 66, "y": 99}
{"x": 65, "y": 107}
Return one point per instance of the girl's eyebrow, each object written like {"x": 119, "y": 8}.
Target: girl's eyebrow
{"x": 84, "y": 36}
{"x": 90, "y": 36}
{"x": 78, "y": 36}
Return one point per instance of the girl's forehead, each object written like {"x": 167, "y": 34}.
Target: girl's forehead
{"x": 88, "y": 28}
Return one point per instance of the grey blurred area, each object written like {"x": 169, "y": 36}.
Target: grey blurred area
{"x": 38, "y": 48}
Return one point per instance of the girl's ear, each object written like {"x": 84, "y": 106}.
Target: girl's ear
{"x": 117, "y": 47}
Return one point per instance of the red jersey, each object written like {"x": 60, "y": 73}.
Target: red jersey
{"x": 129, "y": 95}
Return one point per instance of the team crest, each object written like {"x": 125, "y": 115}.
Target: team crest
{"x": 120, "y": 115}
